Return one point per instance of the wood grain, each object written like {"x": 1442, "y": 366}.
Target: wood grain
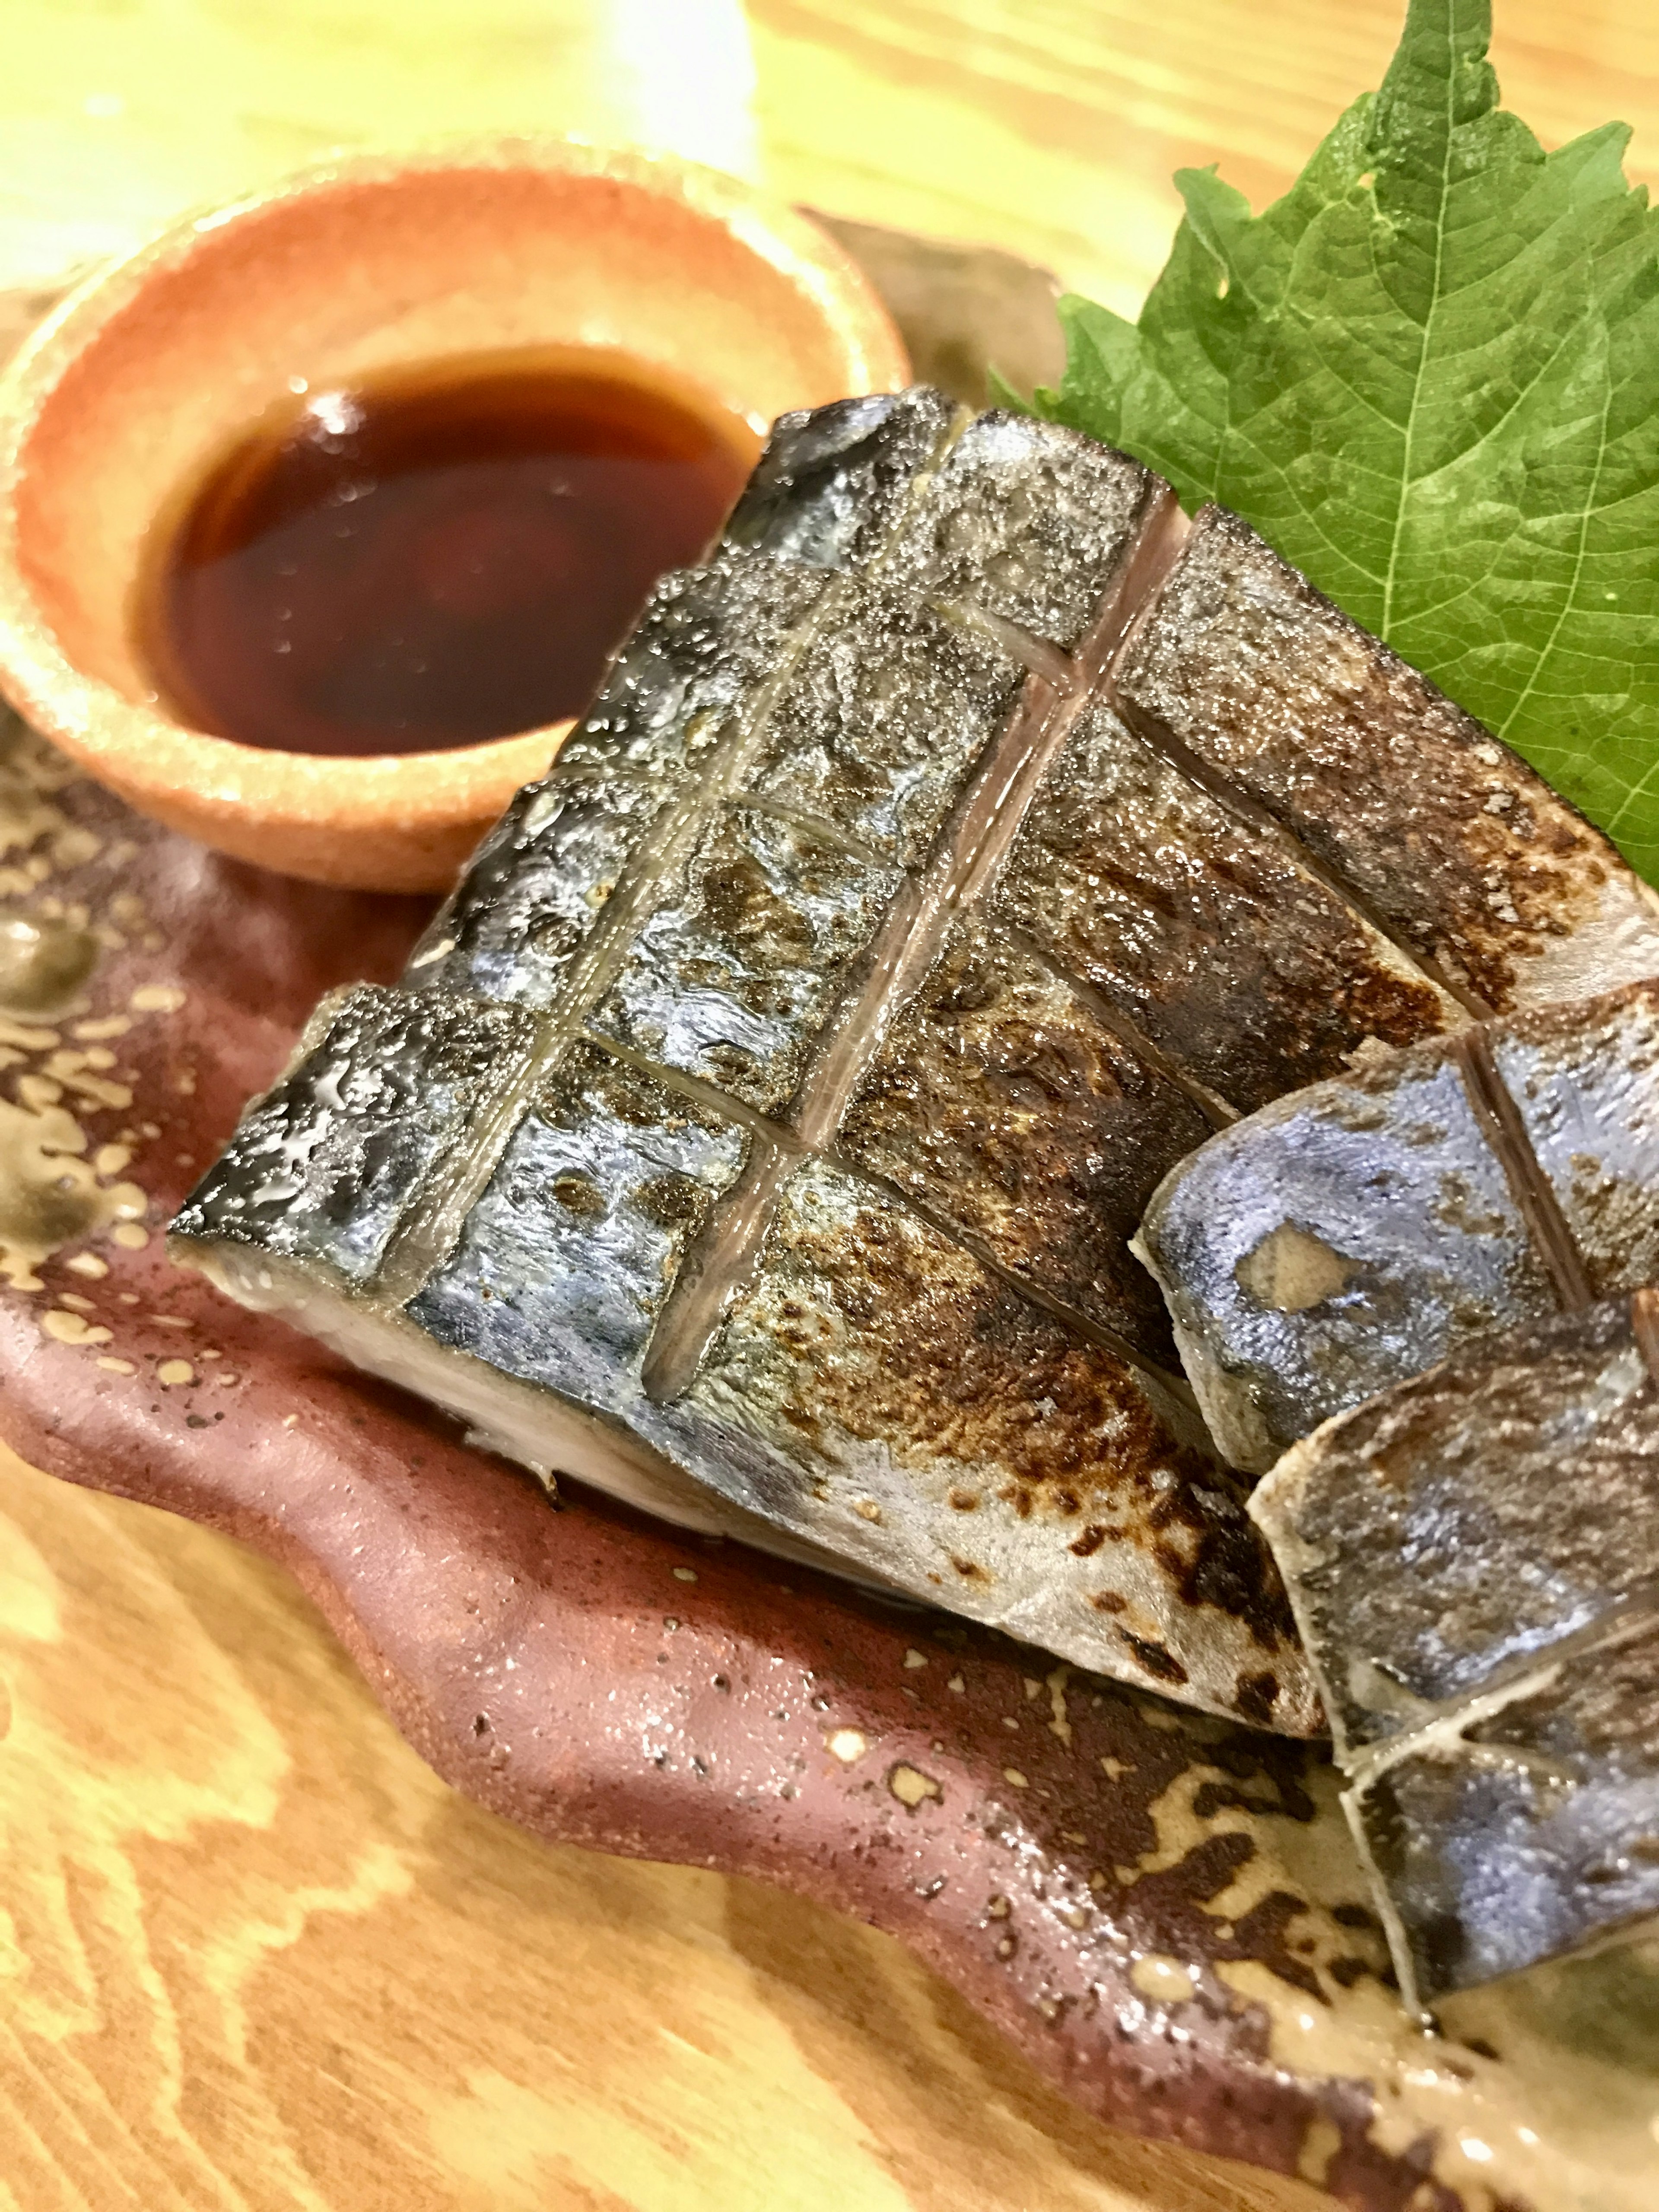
{"x": 1051, "y": 127}
{"x": 252, "y": 1954}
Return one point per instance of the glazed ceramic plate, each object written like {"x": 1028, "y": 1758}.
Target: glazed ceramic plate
{"x": 1163, "y": 1913}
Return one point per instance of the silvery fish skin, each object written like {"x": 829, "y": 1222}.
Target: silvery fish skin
{"x": 794, "y": 1194}
{"x": 1586, "y": 1089}
{"x": 1453, "y": 845}
{"x": 1345, "y": 1238}
{"x": 1472, "y": 1566}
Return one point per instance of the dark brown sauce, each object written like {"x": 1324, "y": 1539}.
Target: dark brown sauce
{"x": 432, "y": 556}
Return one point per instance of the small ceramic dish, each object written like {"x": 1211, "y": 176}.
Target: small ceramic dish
{"x": 359, "y": 266}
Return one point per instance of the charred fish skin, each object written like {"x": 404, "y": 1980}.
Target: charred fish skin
{"x": 1202, "y": 929}
{"x": 536, "y": 890}
{"x": 1456, "y": 847}
{"x": 1026, "y": 522}
{"x": 891, "y": 705}
{"x": 733, "y": 976}
{"x": 328, "y": 1162}
{"x": 1348, "y": 1237}
{"x": 669, "y": 907}
{"x": 696, "y": 950}
{"x": 876, "y": 1392}
{"x": 1344, "y": 1237}
{"x": 1469, "y": 1561}
{"x": 1004, "y": 1107}
{"x": 830, "y": 482}
{"x": 961, "y": 1441}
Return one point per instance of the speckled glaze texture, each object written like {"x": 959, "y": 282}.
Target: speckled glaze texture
{"x": 1163, "y": 1911}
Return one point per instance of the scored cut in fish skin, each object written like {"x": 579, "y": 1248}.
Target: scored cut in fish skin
{"x": 1449, "y": 841}
{"x": 877, "y": 1388}
{"x": 328, "y": 1160}
{"x": 361, "y": 1113}
{"x": 1348, "y": 1237}
{"x": 535, "y": 887}
{"x": 1585, "y": 1081}
{"x": 889, "y": 710}
{"x": 1202, "y": 930}
{"x": 1002, "y": 1104}
{"x": 1028, "y": 522}
{"x": 684, "y": 1242}
{"x": 1473, "y": 1567}
{"x": 733, "y": 975}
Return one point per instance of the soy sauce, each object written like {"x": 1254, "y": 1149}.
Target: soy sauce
{"x": 432, "y": 556}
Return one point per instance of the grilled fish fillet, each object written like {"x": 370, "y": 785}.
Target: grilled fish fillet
{"x": 759, "y": 1130}
{"x": 1346, "y": 1238}
{"x": 1473, "y": 1562}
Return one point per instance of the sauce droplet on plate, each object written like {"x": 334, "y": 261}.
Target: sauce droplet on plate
{"x": 432, "y": 556}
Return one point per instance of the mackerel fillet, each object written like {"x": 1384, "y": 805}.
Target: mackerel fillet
{"x": 759, "y": 1130}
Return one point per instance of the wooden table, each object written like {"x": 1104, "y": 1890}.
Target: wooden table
{"x": 252, "y": 1954}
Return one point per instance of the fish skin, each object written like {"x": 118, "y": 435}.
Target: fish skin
{"x": 828, "y": 484}
{"x": 1446, "y": 1535}
{"x": 892, "y": 703}
{"x": 1471, "y": 1564}
{"x": 1448, "y": 839}
{"x": 1586, "y": 1081}
{"x": 732, "y": 977}
{"x": 1336, "y": 1241}
{"x": 535, "y": 888}
{"x": 707, "y": 637}
{"x": 1391, "y": 1173}
{"x": 381, "y": 1085}
{"x": 1535, "y": 1835}
{"x": 1203, "y": 929}
{"x": 1005, "y": 1106}
{"x": 1027, "y": 521}
{"x": 1016, "y": 1474}
{"x": 567, "y": 1259}
{"x": 869, "y": 1360}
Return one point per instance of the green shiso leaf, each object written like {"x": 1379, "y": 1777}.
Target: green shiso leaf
{"x": 1429, "y": 375}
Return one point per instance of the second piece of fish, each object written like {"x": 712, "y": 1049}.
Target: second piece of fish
{"x": 1346, "y": 1237}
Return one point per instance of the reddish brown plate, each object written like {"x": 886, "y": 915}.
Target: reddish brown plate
{"x": 1163, "y": 1912}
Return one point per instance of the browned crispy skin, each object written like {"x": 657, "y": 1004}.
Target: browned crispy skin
{"x": 1447, "y": 837}
{"x": 884, "y": 921}
{"x": 1202, "y": 929}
